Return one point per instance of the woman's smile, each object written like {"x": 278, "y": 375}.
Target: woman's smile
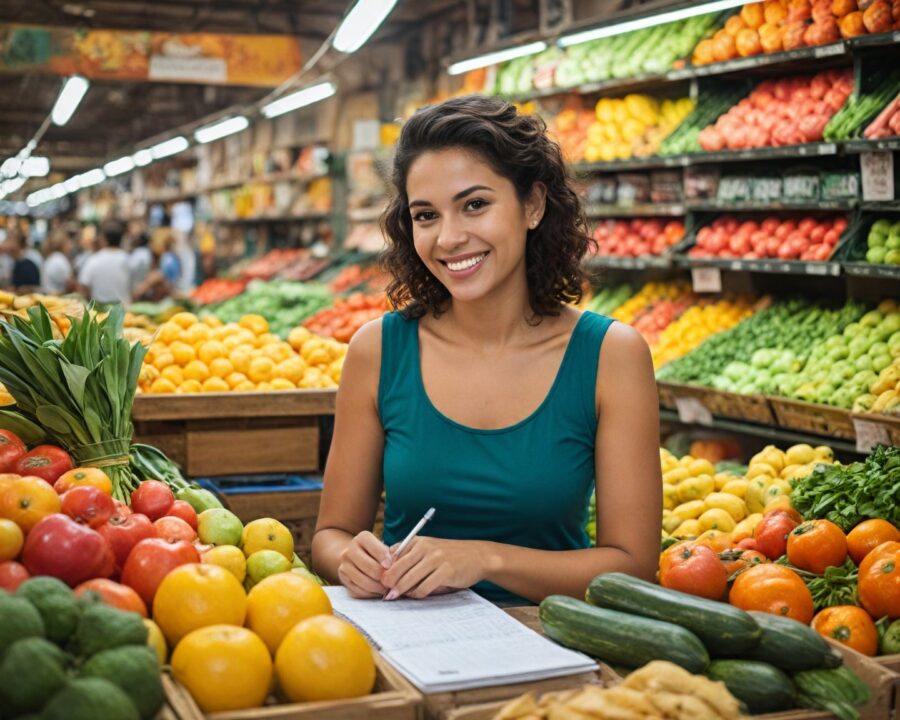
{"x": 463, "y": 265}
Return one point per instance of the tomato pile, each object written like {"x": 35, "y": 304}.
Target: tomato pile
{"x": 346, "y": 316}
{"x": 637, "y": 237}
{"x": 805, "y": 238}
{"x": 216, "y": 290}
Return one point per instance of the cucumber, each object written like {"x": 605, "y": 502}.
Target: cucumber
{"x": 763, "y": 688}
{"x": 723, "y": 628}
{"x": 619, "y": 638}
{"x": 790, "y": 645}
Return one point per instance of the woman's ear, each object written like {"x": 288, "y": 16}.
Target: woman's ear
{"x": 535, "y": 204}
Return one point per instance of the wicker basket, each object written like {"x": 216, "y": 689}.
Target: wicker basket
{"x": 813, "y": 418}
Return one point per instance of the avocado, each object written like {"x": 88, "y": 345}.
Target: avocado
{"x": 135, "y": 670}
{"x": 56, "y": 603}
{"x": 45, "y": 663}
{"x": 18, "y": 619}
{"x": 103, "y": 627}
{"x": 90, "y": 699}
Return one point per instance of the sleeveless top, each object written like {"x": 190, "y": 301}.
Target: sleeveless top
{"x": 528, "y": 484}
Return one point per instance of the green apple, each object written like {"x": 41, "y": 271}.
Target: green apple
{"x": 875, "y": 255}
{"x": 871, "y": 318}
{"x": 895, "y": 228}
{"x": 892, "y": 257}
{"x": 893, "y": 242}
{"x": 863, "y": 362}
{"x": 852, "y": 330}
{"x": 263, "y": 563}
{"x": 881, "y": 227}
{"x": 890, "y": 324}
{"x": 879, "y": 348}
{"x": 880, "y": 362}
{"x": 218, "y": 526}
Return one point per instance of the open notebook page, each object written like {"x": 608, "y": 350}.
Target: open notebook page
{"x": 457, "y": 641}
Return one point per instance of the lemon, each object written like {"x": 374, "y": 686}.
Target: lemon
{"x": 267, "y": 534}
{"x": 229, "y": 557}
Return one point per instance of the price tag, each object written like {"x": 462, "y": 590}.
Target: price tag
{"x": 814, "y": 268}
{"x": 829, "y": 50}
{"x": 868, "y": 434}
{"x": 691, "y": 410}
{"x": 877, "y": 175}
{"x": 706, "y": 279}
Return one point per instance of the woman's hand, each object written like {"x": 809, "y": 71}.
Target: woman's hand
{"x": 363, "y": 563}
{"x": 431, "y": 566}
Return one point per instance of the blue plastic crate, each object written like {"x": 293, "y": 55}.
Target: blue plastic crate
{"x": 242, "y": 484}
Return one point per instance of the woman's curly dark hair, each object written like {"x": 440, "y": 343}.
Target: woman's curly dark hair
{"x": 517, "y": 148}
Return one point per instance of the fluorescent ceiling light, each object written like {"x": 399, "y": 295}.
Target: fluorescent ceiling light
{"x": 36, "y": 166}
{"x": 37, "y": 198}
{"x": 169, "y": 147}
{"x": 363, "y": 20}
{"x": 221, "y": 129}
{"x": 91, "y": 177}
{"x": 10, "y": 167}
{"x": 142, "y": 157}
{"x": 58, "y": 191}
{"x": 493, "y": 58}
{"x": 649, "y": 21}
{"x": 72, "y": 184}
{"x": 69, "y": 98}
{"x": 117, "y": 167}
{"x": 299, "y": 99}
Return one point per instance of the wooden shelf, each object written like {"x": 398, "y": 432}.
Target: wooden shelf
{"x": 203, "y": 406}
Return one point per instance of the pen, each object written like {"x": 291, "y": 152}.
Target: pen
{"x": 415, "y": 531}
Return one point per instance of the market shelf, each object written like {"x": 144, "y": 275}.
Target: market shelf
{"x": 175, "y": 196}
{"x": 779, "y": 267}
{"x": 637, "y": 210}
{"x": 871, "y": 41}
{"x": 611, "y": 85}
{"x": 886, "y": 206}
{"x": 753, "y": 206}
{"x": 269, "y": 178}
{"x": 618, "y": 262}
{"x": 864, "y": 269}
{"x": 769, "y": 432}
{"x": 366, "y": 214}
{"x": 639, "y": 163}
{"x": 284, "y": 403}
{"x": 861, "y": 146}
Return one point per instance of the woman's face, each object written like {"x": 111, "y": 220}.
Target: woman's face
{"x": 469, "y": 226}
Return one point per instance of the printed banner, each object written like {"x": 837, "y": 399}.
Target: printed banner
{"x": 263, "y": 60}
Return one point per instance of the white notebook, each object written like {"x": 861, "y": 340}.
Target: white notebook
{"x": 457, "y": 641}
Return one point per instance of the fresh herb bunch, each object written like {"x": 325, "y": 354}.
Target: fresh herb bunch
{"x": 848, "y": 494}
{"x": 837, "y": 586}
{"x": 78, "y": 392}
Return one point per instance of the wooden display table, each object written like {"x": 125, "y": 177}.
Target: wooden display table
{"x": 210, "y": 434}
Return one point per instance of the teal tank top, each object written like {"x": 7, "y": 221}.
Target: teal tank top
{"x": 528, "y": 484}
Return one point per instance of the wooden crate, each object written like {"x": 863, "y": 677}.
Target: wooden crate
{"x": 813, "y": 418}
{"x": 392, "y": 699}
{"x": 891, "y": 424}
{"x": 879, "y": 681}
{"x": 752, "y": 408}
{"x": 891, "y": 662}
{"x": 235, "y": 433}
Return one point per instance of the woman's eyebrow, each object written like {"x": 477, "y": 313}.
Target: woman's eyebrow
{"x": 458, "y": 196}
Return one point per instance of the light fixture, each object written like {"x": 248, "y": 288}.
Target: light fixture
{"x": 10, "y": 167}
{"x": 221, "y": 129}
{"x": 58, "y": 191}
{"x": 36, "y": 166}
{"x": 169, "y": 147}
{"x": 492, "y": 58}
{"x": 73, "y": 184}
{"x": 618, "y": 28}
{"x": 37, "y": 198}
{"x": 361, "y": 22}
{"x": 91, "y": 177}
{"x": 69, "y": 98}
{"x": 117, "y": 167}
{"x": 299, "y": 99}
{"x": 142, "y": 157}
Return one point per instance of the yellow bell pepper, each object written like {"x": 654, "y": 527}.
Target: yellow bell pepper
{"x": 643, "y": 107}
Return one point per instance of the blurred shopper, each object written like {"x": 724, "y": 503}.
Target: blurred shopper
{"x": 187, "y": 259}
{"x": 162, "y": 245}
{"x": 26, "y": 277}
{"x": 106, "y": 276}
{"x": 87, "y": 244}
{"x": 57, "y": 276}
{"x": 140, "y": 260}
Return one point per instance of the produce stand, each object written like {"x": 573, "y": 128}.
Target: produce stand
{"x": 752, "y": 408}
{"x": 813, "y": 418}
{"x": 393, "y": 698}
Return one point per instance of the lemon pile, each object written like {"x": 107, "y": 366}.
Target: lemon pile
{"x": 193, "y": 355}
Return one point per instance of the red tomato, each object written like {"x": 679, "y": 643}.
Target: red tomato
{"x": 747, "y": 544}
{"x": 88, "y": 505}
{"x": 183, "y": 510}
{"x": 772, "y": 534}
{"x": 694, "y": 569}
{"x": 47, "y": 462}
{"x": 831, "y": 237}
{"x": 113, "y": 593}
{"x": 123, "y": 532}
{"x": 173, "y": 528}
{"x": 63, "y": 548}
{"x": 11, "y": 449}
{"x": 152, "y": 498}
{"x": 12, "y": 574}
{"x": 151, "y": 560}
{"x": 122, "y": 508}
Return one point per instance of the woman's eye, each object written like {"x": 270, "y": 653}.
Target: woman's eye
{"x": 424, "y": 216}
{"x": 476, "y": 204}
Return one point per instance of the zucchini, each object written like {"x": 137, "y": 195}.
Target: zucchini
{"x": 838, "y": 691}
{"x": 619, "y": 638}
{"x": 790, "y": 645}
{"x": 723, "y": 628}
{"x": 763, "y": 688}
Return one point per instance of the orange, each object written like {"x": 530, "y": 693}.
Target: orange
{"x": 197, "y": 595}
{"x": 261, "y": 369}
{"x": 244, "y": 386}
{"x": 168, "y": 332}
{"x": 223, "y": 667}
{"x": 215, "y": 384}
{"x": 182, "y": 352}
{"x": 161, "y": 386}
{"x": 221, "y": 367}
{"x": 267, "y": 534}
{"x": 229, "y": 557}
{"x": 278, "y": 602}
{"x": 190, "y": 386}
{"x": 282, "y": 384}
{"x": 263, "y": 387}
{"x": 773, "y": 589}
{"x": 212, "y": 349}
{"x": 197, "y": 334}
{"x": 213, "y": 321}
{"x": 264, "y": 339}
{"x": 324, "y": 658}
{"x": 256, "y": 324}
{"x": 184, "y": 320}
{"x": 291, "y": 369}
{"x": 94, "y": 477}
{"x": 174, "y": 374}
{"x": 25, "y": 500}
{"x": 235, "y": 379}
{"x": 11, "y": 540}
{"x": 240, "y": 358}
{"x": 231, "y": 341}
{"x": 318, "y": 356}
{"x": 849, "y": 625}
{"x": 196, "y": 370}
{"x": 163, "y": 360}
{"x": 868, "y": 535}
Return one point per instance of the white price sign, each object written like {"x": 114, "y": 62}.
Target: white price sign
{"x": 877, "y": 175}
{"x": 869, "y": 434}
{"x": 691, "y": 410}
{"x": 706, "y": 279}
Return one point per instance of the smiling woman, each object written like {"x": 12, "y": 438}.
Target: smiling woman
{"x": 488, "y": 396}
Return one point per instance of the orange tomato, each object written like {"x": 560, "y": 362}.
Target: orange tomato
{"x": 115, "y": 594}
{"x": 11, "y": 540}
{"x": 738, "y": 559}
{"x": 773, "y": 589}
{"x": 816, "y": 545}
{"x": 83, "y": 476}
{"x": 849, "y": 625}
{"x": 868, "y": 535}
{"x": 879, "y": 581}
{"x": 693, "y": 569}
{"x": 26, "y": 500}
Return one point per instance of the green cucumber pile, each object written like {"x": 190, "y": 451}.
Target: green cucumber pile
{"x": 608, "y": 298}
{"x": 769, "y": 663}
{"x": 686, "y": 137}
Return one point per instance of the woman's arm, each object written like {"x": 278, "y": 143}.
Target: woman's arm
{"x": 629, "y": 500}
{"x": 353, "y": 474}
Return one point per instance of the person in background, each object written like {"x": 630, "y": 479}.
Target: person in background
{"x": 86, "y": 246}
{"x": 57, "y": 277}
{"x": 168, "y": 262}
{"x": 26, "y": 277}
{"x": 106, "y": 277}
{"x": 140, "y": 260}
{"x": 187, "y": 260}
